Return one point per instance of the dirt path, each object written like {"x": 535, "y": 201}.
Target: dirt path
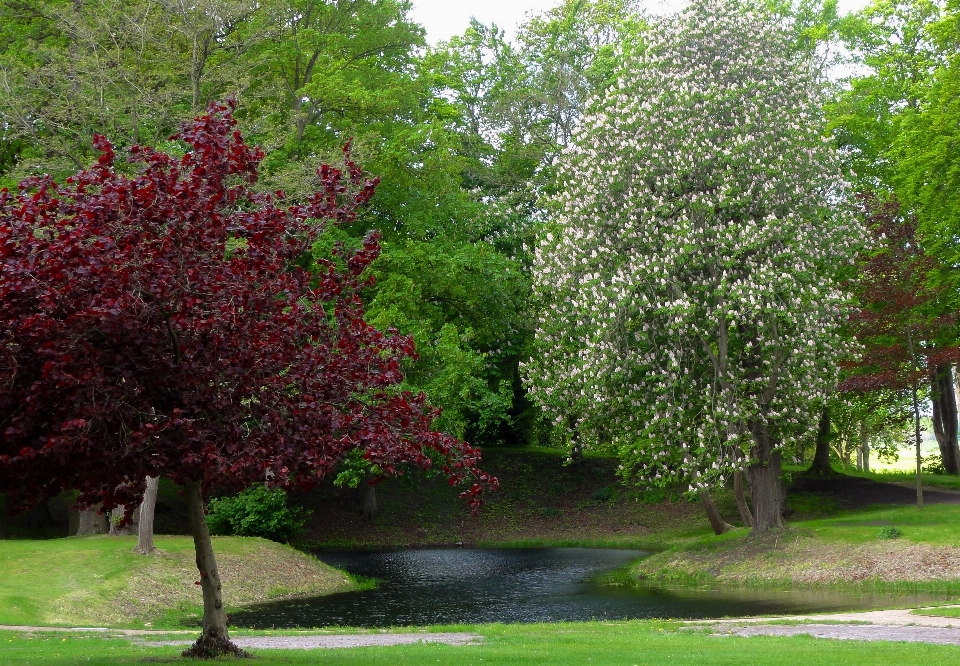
{"x": 884, "y": 625}
{"x": 305, "y": 641}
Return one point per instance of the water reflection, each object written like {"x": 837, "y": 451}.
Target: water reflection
{"x": 454, "y": 586}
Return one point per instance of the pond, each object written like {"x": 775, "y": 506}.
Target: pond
{"x": 467, "y": 586}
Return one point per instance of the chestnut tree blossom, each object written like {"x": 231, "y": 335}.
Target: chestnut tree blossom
{"x": 688, "y": 276}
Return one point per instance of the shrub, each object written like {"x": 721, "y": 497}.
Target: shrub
{"x": 257, "y": 511}
{"x": 551, "y": 512}
{"x": 932, "y": 464}
{"x": 890, "y": 533}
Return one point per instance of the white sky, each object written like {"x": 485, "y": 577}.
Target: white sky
{"x": 445, "y": 18}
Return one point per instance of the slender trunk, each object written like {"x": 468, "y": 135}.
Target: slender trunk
{"x": 765, "y": 487}
{"x": 576, "y": 448}
{"x": 916, "y": 426}
{"x": 368, "y": 503}
{"x": 145, "y": 528}
{"x": 214, "y": 641}
{"x": 944, "y": 417}
{"x": 916, "y": 417}
{"x": 821, "y": 459}
{"x": 739, "y": 492}
{"x": 716, "y": 522}
{"x": 864, "y": 446}
{"x": 92, "y": 522}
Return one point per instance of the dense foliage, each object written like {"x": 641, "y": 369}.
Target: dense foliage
{"x": 258, "y": 511}
{"x": 158, "y": 323}
{"x": 689, "y": 271}
{"x": 642, "y": 208}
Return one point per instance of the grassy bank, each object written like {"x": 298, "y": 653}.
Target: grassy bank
{"x": 597, "y": 644}
{"x": 99, "y": 581}
{"x": 541, "y": 501}
{"x": 850, "y": 549}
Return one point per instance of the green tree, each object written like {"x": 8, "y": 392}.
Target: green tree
{"x": 130, "y": 68}
{"x": 690, "y": 268}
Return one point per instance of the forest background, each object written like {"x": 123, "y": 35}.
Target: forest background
{"x": 466, "y": 136}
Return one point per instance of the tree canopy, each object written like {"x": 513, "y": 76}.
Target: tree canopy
{"x": 161, "y": 323}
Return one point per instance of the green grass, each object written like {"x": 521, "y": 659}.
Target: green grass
{"x": 906, "y": 476}
{"x": 595, "y": 644}
{"x": 100, "y": 581}
{"x": 935, "y": 524}
{"x": 951, "y": 611}
{"x": 817, "y": 554}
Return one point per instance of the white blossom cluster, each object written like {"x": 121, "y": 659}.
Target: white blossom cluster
{"x": 687, "y": 276}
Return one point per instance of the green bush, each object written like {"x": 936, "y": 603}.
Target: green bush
{"x": 932, "y": 464}
{"x": 551, "y": 512}
{"x": 258, "y": 511}
{"x": 890, "y": 533}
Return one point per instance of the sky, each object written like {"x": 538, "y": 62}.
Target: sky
{"x": 445, "y": 18}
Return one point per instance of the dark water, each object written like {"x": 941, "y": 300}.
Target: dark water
{"x": 467, "y": 586}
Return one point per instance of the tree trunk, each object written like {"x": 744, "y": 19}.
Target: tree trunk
{"x": 368, "y": 503}
{"x": 576, "y": 449}
{"x": 765, "y": 485}
{"x": 145, "y": 528}
{"x": 739, "y": 492}
{"x": 92, "y": 522}
{"x": 916, "y": 426}
{"x": 944, "y": 418}
{"x": 864, "y": 446}
{"x": 716, "y": 522}
{"x": 214, "y": 641}
{"x": 821, "y": 459}
{"x": 127, "y": 530}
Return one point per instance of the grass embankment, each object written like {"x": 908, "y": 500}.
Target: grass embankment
{"x": 541, "y": 502}
{"x": 597, "y": 644}
{"x": 845, "y": 550}
{"x": 100, "y": 581}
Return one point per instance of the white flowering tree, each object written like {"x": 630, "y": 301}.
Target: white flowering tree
{"x": 691, "y": 309}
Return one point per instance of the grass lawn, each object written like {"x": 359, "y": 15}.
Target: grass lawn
{"x": 909, "y": 476}
{"x": 595, "y": 644}
{"x": 100, "y": 581}
{"x": 949, "y": 611}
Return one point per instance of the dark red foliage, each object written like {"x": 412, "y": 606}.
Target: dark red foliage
{"x": 900, "y": 306}
{"x": 161, "y": 323}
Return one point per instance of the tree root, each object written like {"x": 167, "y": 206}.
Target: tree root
{"x": 208, "y": 647}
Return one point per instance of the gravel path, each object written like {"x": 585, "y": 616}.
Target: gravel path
{"x": 313, "y": 642}
{"x": 883, "y": 625}
{"x": 850, "y": 632}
